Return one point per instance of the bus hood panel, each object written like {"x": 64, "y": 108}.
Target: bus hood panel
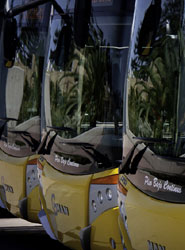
{"x": 154, "y": 224}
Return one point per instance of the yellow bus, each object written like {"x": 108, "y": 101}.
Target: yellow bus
{"x": 151, "y": 188}
{"x": 82, "y": 116}
{"x": 24, "y": 30}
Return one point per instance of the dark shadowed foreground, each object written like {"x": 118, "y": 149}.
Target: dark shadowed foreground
{"x": 18, "y": 234}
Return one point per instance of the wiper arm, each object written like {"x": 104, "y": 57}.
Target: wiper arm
{"x": 34, "y": 144}
{"x": 95, "y": 154}
{"x": 130, "y": 166}
{"x": 43, "y": 149}
{"x": 5, "y": 120}
{"x": 46, "y": 150}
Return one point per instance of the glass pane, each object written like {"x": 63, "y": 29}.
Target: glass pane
{"x": 84, "y": 86}
{"x": 154, "y": 73}
{"x": 22, "y": 83}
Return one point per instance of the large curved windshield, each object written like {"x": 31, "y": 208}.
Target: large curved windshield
{"x": 84, "y": 86}
{"x": 156, "y": 107}
{"x": 21, "y": 83}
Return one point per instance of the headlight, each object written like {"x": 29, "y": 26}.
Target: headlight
{"x": 100, "y": 197}
{"x": 109, "y": 194}
{"x": 33, "y": 174}
{"x": 94, "y": 206}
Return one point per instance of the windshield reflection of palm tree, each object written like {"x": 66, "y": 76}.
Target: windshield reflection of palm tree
{"x": 92, "y": 61}
{"x": 79, "y": 96}
{"x": 155, "y": 78}
{"x": 30, "y": 42}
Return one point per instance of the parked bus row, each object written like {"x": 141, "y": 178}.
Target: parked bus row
{"x": 91, "y": 120}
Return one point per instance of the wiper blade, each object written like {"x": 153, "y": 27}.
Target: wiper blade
{"x": 95, "y": 154}
{"x": 5, "y": 120}
{"x": 43, "y": 149}
{"x": 130, "y": 166}
{"x": 34, "y": 144}
{"x": 46, "y": 150}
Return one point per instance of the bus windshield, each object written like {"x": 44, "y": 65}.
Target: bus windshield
{"x": 156, "y": 107}
{"x": 84, "y": 86}
{"x": 21, "y": 81}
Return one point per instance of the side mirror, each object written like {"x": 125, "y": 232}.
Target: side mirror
{"x": 63, "y": 46}
{"x": 10, "y": 41}
{"x": 82, "y": 13}
{"x": 149, "y": 28}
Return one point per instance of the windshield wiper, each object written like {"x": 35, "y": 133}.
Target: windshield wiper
{"x": 33, "y": 143}
{"x": 95, "y": 154}
{"x": 43, "y": 149}
{"x": 46, "y": 150}
{"x": 130, "y": 166}
{"x": 5, "y": 120}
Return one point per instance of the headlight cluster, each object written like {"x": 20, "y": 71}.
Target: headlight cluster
{"x": 102, "y": 198}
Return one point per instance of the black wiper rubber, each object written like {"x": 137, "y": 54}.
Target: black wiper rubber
{"x": 95, "y": 154}
{"x": 5, "y": 120}
{"x": 47, "y": 150}
{"x": 130, "y": 166}
{"x": 34, "y": 144}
